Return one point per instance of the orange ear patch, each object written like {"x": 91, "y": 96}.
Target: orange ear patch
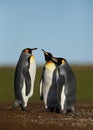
{"x": 63, "y": 61}
{"x": 26, "y": 51}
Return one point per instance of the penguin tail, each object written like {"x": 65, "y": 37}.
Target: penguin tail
{"x": 16, "y": 103}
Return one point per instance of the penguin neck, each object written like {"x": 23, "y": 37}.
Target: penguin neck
{"x": 24, "y": 55}
{"x": 47, "y": 62}
{"x": 63, "y": 69}
{"x": 23, "y": 58}
{"x": 32, "y": 59}
{"x": 50, "y": 65}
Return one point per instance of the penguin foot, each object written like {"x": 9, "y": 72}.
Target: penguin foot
{"x": 52, "y": 109}
{"x": 23, "y": 108}
{"x": 16, "y": 104}
{"x": 67, "y": 111}
{"x": 47, "y": 110}
{"x": 57, "y": 110}
{"x": 26, "y": 110}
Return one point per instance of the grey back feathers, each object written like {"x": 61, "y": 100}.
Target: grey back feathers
{"x": 24, "y": 78}
{"x": 20, "y": 74}
{"x": 68, "y": 80}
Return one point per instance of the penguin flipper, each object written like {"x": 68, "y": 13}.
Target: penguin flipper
{"x": 61, "y": 81}
{"x": 60, "y": 84}
{"x": 27, "y": 81}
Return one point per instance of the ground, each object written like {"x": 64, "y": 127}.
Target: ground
{"x": 38, "y": 118}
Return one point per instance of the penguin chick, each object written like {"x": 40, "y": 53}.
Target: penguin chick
{"x": 66, "y": 85}
{"x": 48, "y": 90}
{"x": 24, "y": 78}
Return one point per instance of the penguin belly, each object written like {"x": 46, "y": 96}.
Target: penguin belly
{"x": 46, "y": 86}
{"x": 32, "y": 72}
{"x": 63, "y": 98}
{"x": 25, "y": 98}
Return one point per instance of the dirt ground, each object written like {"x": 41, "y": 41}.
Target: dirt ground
{"x": 38, "y": 118}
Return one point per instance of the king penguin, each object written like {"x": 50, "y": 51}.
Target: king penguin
{"x": 48, "y": 90}
{"x": 66, "y": 85}
{"x": 24, "y": 78}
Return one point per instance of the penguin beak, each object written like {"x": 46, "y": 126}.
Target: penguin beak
{"x": 29, "y": 50}
{"x": 34, "y": 49}
{"x": 44, "y": 52}
{"x": 54, "y": 59}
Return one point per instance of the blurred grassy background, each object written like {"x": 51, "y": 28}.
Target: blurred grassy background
{"x": 84, "y": 76}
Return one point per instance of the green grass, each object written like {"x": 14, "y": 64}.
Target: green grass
{"x": 84, "y": 76}
{"x": 6, "y": 84}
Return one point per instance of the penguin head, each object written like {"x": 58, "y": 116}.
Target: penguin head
{"x": 48, "y": 55}
{"x": 59, "y": 61}
{"x": 28, "y": 50}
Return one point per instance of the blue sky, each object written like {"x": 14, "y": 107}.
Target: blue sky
{"x": 62, "y": 27}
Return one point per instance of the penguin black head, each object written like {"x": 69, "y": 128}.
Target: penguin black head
{"x": 48, "y": 55}
{"x": 59, "y": 61}
{"x": 28, "y": 50}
